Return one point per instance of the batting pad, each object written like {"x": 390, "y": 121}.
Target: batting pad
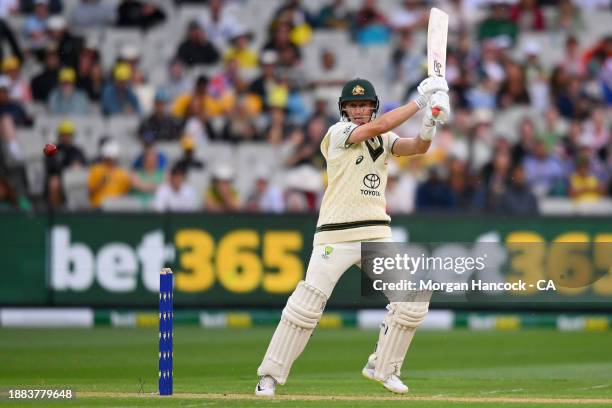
{"x": 300, "y": 316}
{"x": 395, "y": 336}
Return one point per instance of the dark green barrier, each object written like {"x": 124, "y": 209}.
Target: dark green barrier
{"x": 236, "y": 260}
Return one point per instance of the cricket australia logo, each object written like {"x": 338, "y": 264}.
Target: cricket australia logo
{"x": 372, "y": 182}
{"x": 327, "y": 252}
{"x": 358, "y": 90}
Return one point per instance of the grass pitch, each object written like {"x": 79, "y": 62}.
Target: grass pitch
{"x": 216, "y": 368}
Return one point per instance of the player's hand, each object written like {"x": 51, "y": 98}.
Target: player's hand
{"x": 428, "y": 87}
{"x": 432, "y": 84}
{"x": 438, "y": 108}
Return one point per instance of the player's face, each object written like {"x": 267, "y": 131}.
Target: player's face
{"x": 359, "y": 112}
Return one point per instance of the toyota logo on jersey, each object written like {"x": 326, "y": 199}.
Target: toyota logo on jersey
{"x": 371, "y": 180}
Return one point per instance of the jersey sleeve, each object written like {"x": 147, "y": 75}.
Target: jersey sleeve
{"x": 391, "y": 139}
{"x": 339, "y": 134}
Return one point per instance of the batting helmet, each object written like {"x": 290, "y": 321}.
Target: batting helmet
{"x": 358, "y": 90}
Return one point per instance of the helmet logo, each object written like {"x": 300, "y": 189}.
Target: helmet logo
{"x": 358, "y": 90}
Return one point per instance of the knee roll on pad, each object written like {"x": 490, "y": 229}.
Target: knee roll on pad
{"x": 305, "y": 306}
{"x": 299, "y": 319}
{"x": 409, "y": 314}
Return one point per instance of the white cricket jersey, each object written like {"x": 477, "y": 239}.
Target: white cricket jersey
{"x": 354, "y": 206}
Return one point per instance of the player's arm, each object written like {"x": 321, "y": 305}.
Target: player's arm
{"x": 396, "y": 117}
{"x": 384, "y": 123}
{"x": 420, "y": 145}
{"x": 410, "y": 147}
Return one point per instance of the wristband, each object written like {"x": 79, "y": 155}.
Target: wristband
{"x": 421, "y": 101}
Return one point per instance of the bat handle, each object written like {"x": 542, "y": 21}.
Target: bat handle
{"x": 435, "y": 111}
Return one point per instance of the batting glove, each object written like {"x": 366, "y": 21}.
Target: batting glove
{"x": 428, "y": 87}
{"x": 439, "y": 107}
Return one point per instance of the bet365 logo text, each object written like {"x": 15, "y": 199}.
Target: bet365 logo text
{"x": 241, "y": 261}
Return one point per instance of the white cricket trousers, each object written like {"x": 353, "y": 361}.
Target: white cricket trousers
{"x": 328, "y": 263}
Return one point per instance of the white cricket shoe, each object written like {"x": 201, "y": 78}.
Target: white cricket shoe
{"x": 393, "y": 383}
{"x": 265, "y": 387}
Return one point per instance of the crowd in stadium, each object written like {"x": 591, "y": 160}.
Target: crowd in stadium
{"x": 235, "y": 81}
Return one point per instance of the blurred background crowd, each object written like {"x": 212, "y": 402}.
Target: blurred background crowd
{"x": 220, "y": 105}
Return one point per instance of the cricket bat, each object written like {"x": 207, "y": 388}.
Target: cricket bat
{"x": 437, "y": 34}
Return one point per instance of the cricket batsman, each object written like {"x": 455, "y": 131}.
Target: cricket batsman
{"x": 353, "y": 210}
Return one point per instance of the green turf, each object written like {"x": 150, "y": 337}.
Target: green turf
{"x": 464, "y": 363}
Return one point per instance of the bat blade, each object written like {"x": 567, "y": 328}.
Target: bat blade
{"x": 437, "y": 34}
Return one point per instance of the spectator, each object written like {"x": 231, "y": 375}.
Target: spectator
{"x": 240, "y": 51}
{"x": 406, "y": 61}
{"x": 150, "y": 149}
{"x": 20, "y": 89}
{"x": 572, "y": 63}
{"x": 118, "y": 98}
{"x": 553, "y": 130}
{"x": 66, "y": 99}
{"x": 139, "y": 14}
{"x": 498, "y": 25}
{"x": 572, "y": 101}
{"x": 7, "y": 36}
{"x": 196, "y": 49}
{"x": 528, "y": 16}
{"x": 266, "y": 197}
{"x": 596, "y": 130}
{"x": 202, "y": 99}
{"x": 569, "y": 17}
{"x": 584, "y": 185}
{"x": 458, "y": 182}
{"x": 308, "y": 151}
{"x": 90, "y": 77}
{"x": 67, "y": 155}
{"x": 336, "y": 15}
{"x": 69, "y": 46}
{"x": 221, "y": 195}
{"x": 227, "y": 83}
{"x": 219, "y": 23}
{"x": 434, "y": 193}
{"x": 175, "y": 195}
{"x": 495, "y": 176}
{"x": 10, "y": 107}
{"x": 281, "y": 42}
{"x": 329, "y": 77}
{"x": 545, "y": 173}
{"x": 197, "y": 125}
{"x": 371, "y": 25}
{"x": 147, "y": 177}
{"x": 43, "y": 83}
{"x": 517, "y": 199}
{"x": 278, "y": 126}
{"x": 321, "y": 109}
{"x": 144, "y": 91}
{"x": 297, "y": 18}
{"x": 513, "y": 90}
{"x": 527, "y": 139}
{"x": 483, "y": 95}
{"x": 265, "y": 82}
{"x": 188, "y": 161}
{"x": 409, "y": 16}
{"x": 93, "y": 14}
{"x": 107, "y": 179}
{"x": 177, "y": 82}
{"x": 239, "y": 125}
{"x": 160, "y": 125}
{"x": 35, "y": 26}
